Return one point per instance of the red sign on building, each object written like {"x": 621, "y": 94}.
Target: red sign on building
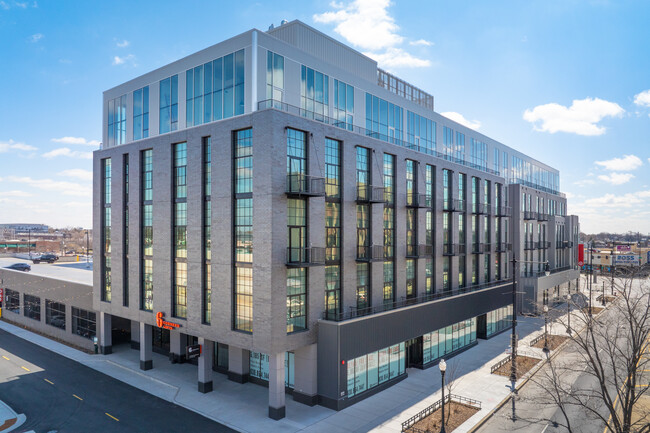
{"x": 581, "y": 254}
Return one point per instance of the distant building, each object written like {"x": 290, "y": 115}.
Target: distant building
{"x": 25, "y": 228}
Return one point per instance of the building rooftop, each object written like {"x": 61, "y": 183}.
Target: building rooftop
{"x": 74, "y": 272}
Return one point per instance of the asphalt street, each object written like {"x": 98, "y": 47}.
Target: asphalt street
{"x": 58, "y": 394}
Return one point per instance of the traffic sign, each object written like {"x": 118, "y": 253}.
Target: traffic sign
{"x": 580, "y": 263}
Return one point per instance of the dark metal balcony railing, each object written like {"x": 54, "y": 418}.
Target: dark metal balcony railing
{"x": 300, "y": 257}
{"x": 354, "y": 313}
{"x": 449, "y": 249}
{"x": 454, "y": 205}
{"x": 480, "y": 208}
{"x": 421, "y": 250}
{"x": 462, "y": 249}
{"x": 503, "y": 211}
{"x": 530, "y": 215}
{"x": 305, "y": 185}
{"x": 530, "y": 245}
{"x": 417, "y": 200}
{"x": 370, "y": 194}
{"x": 543, "y": 245}
{"x": 370, "y": 253}
{"x": 478, "y": 248}
{"x": 541, "y": 216}
{"x": 538, "y": 274}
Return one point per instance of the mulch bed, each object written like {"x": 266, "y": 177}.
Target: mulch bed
{"x": 554, "y": 341}
{"x": 455, "y": 414}
{"x": 524, "y": 364}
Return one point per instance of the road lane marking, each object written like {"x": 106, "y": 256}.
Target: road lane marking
{"x": 25, "y": 368}
{"x": 51, "y": 383}
{"x": 5, "y": 357}
{"x": 77, "y": 397}
{"x": 109, "y": 415}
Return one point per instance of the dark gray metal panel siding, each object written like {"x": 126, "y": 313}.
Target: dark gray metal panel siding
{"x": 376, "y": 332}
{"x": 328, "y": 360}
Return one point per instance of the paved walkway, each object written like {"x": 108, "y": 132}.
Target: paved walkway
{"x": 244, "y": 407}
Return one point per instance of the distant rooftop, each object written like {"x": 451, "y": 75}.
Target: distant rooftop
{"x": 74, "y": 272}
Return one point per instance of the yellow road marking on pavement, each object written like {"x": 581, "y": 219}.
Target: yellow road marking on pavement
{"x": 108, "y": 414}
{"x": 77, "y": 397}
{"x": 51, "y": 383}
{"x": 5, "y": 357}
{"x": 25, "y": 368}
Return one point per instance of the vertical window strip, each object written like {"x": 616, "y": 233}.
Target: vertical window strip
{"x": 179, "y": 252}
{"x": 314, "y": 94}
{"x": 243, "y": 230}
{"x": 207, "y": 230}
{"x": 146, "y": 197}
{"x": 106, "y": 229}
{"x": 125, "y": 242}
{"x": 168, "y": 105}
{"x": 117, "y": 121}
{"x": 343, "y": 105}
{"x": 141, "y": 113}
{"x": 274, "y": 76}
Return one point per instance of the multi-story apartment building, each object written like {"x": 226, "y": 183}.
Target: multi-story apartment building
{"x": 308, "y": 219}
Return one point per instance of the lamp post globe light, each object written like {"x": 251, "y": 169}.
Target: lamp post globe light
{"x": 443, "y": 367}
{"x": 568, "y": 312}
{"x": 545, "y": 349}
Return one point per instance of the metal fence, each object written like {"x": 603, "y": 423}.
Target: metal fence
{"x": 408, "y": 425}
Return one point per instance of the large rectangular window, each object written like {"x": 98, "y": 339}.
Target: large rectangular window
{"x": 389, "y": 206}
{"x": 55, "y": 314}
{"x": 363, "y": 286}
{"x": 478, "y": 154}
{"x": 168, "y": 103}
{"x": 141, "y": 113}
{"x": 215, "y": 90}
{"x": 179, "y": 252}
{"x": 389, "y": 282}
{"x": 343, "y": 105}
{"x": 384, "y": 120}
{"x": 411, "y": 287}
{"x": 207, "y": 230}
{"x": 243, "y": 230}
{"x": 363, "y": 173}
{"x": 146, "y": 197}
{"x": 421, "y": 133}
{"x": 332, "y": 290}
{"x": 117, "y": 121}
{"x": 32, "y": 307}
{"x": 296, "y": 299}
{"x": 84, "y": 323}
{"x": 374, "y": 368}
{"x": 447, "y": 142}
{"x": 12, "y": 301}
{"x": 274, "y": 76}
{"x": 106, "y": 230}
{"x": 314, "y": 93}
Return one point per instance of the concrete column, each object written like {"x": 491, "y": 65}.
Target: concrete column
{"x": 135, "y": 335}
{"x": 205, "y": 365}
{"x": 146, "y": 337}
{"x": 276, "y": 386}
{"x": 305, "y": 388}
{"x": 238, "y": 364}
{"x": 177, "y": 344}
{"x": 105, "y": 340}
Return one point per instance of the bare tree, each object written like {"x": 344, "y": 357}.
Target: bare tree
{"x": 602, "y": 375}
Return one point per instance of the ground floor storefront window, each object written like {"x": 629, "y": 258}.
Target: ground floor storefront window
{"x": 84, "y": 323}
{"x": 259, "y": 367}
{"x": 439, "y": 343}
{"x": 498, "y": 320}
{"x": 374, "y": 368}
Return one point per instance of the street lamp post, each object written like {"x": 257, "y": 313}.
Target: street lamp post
{"x": 87, "y": 249}
{"x": 545, "y": 349}
{"x": 568, "y": 311}
{"x": 443, "y": 367}
{"x": 602, "y": 301}
{"x": 591, "y": 274}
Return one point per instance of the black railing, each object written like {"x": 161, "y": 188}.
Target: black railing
{"x": 354, "y": 313}
{"x": 480, "y": 208}
{"x": 370, "y": 194}
{"x": 421, "y": 250}
{"x": 462, "y": 249}
{"x": 500, "y": 364}
{"x": 370, "y": 253}
{"x": 530, "y": 245}
{"x": 541, "y": 216}
{"x": 537, "y": 187}
{"x": 417, "y": 200}
{"x": 299, "y": 257}
{"x": 305, "y": 185}
{"x": 536, "y": 340}
{"x": 544, "y": 245}
{"x": 408, "y": 425}
{"x": 530, "y": 215}
{"x": 292, "y": 109}
{"x": 503, "y": 211}
{"x": 502, "y": 247}
{"x": 478, "y": 248}
{"x": 453, "y": 205}
{"x": 449, "y": 249}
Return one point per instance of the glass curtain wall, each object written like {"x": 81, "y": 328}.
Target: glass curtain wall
{"x": 243, "y": 230}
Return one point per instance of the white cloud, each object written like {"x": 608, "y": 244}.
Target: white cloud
{"x": 35, "y": 37}
{"x": 76, "y": 140}
{"x": 15, "y": 193}
{"x": 617, "y": 178}
{"x": 627, "y": 163}
{"x": 117, "y": 60}
{"x": 123, "y": 44}
{"x": 580, "y": 118}
{"x": 367, "y": 25}
{"x": 615, "y": 201}
{"x": 63, "y": 187}
{"x": 421, "y": 42}
{"x": 6, "y": 146}
{"x": 584, "y": 182}
{"x": 459, "y": 118}
{"x": 398, "y": 58}
{"x": 78, "y": 173}
{"x": 65, "y": 151}
{"x": 643, "y": 98}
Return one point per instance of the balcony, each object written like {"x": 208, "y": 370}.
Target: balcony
{"x": 502, "y": 247}
{"x": 565, "y": 244}
{"x": 530, "y": 245}
{"x": 449, "y": 249}
{"x": 304, "y": 185}
{"x": 480, "y": 208}
{"x": 416, "y": 251}
{"x": 370, "y": 194}
{"x": 503, "y": 211}
{"x": 479, "y": 248}
{"x": 530, "y": 215}
{"x": 417, "y": 200}
{"x": 541, "y": 216}
{"x": 302, "y": 257}
{"x": 544, "y": 245}
{"x": 354, "y": 313}
{"x": 454, "y": 205}
{"x": 370, "y": 253}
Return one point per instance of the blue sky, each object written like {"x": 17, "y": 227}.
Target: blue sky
{"x": 565, "y": 81}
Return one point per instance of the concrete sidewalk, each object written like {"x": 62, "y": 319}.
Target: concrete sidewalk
{"x": 244, "y": 407}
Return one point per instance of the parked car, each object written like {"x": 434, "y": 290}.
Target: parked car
{"x": 50, "y": 258}
{"x": 20, "y": 267}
